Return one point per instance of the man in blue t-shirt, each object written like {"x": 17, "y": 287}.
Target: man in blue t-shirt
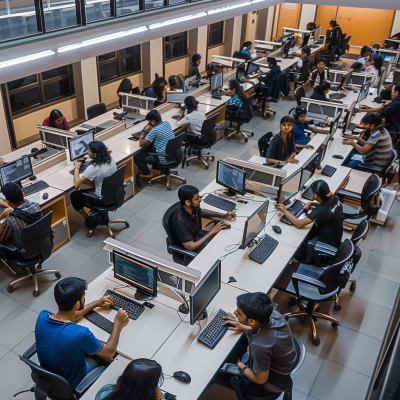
{"x": 158, "y": 133}
{"x": 67, "y": 349}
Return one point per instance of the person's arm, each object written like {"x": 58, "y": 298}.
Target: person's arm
{"x": 213, "y": 214}
{"x": 304, "y": 146}
{"x": 361, "y": 149}
{"x": 182, "y": 120}
{"x": 79, "y": 181}
{"x": 192, "y": 246}
{"x": 292, "y": 159}
{"x": 359, "y": 140}
{"x": 298, "y": 223}
{"x": 105, "y": 302}
{"x": 316, "y": 130}
{"x": 142, "y": 141}
{"x": 5, "y": 212}
{"x": 257, "y": 377}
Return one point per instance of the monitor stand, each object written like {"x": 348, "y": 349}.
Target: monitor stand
{"x": 183, "y": 308}
{"x": 203, "y": 315}
{"x": 142, "y": 296}
{"x": 229, "y": 193}
{"x": 216, "y": 95}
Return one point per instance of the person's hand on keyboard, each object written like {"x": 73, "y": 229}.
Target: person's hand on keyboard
{"x": 235, "y": 324}
{"x": 78, "y": 164}
{"x": 230, "y": 215}
{"x": 105, "y": 301}
{"x": 281, "y": 207}
{"x": 121, "y": 319}
{"x": 348, "y": 142}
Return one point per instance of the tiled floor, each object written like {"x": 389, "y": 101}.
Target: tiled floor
{"x": 339, "y": 368}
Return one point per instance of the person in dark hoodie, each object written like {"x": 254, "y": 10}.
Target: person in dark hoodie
{"x": 18, "y": 214}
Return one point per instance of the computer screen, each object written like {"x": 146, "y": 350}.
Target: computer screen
{"x": 308, "y": 170}
{"x": 187, "y": 85}
{"x": 174, "y": 282}
{"x": 136, "y": 102}
{"x": 135, "y": 272}
{"x": 363, "y": 92}
{"x": 347, "y": 118}
{"x": 231, "y": 177}
{"x": 286, "y": 47}
{"x": 332, "y": 128}
{"x": 78, "y": 147}
{"x": 347, "y": 78}
{"x": 16, "y": 171}
{"x": 254, "y": 224}
{"x": 52, "y": 139}
{"x": 217, "y": 81}
{"x": 205, "y": 292}
{"x": 387, "y": 57}
{"x": 317, "y": 33}
{"x": 251, "y": 68}
{"x": 289, "y": 187}
{"x": 321, "y": 151}
{"x": 177, "y": 97}
{"x": 306, "y": 39}
{"x": 240, "y": 70}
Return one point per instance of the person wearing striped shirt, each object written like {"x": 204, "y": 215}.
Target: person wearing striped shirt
{"x": 158, "y": 133}
{"x": 377, "y": 149}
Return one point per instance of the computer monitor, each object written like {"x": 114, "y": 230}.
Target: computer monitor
{"x": 136, "y": 102}
{"x": 321, "y": 151}
{"x": 16, "y": 171}
{"x": 188, "y": 84}
{"x": 204, "y": 293}
{"x": 254, "y": 224}
{"x": 332, "y": 128}
{"x": 289, "y": 187}
{"x": 54, "y": 140}
{"x": 251, "y": 68}
{"x": 78, "y": 147}
{"x": 216, "y": 81}
{"x": 363, "y": 92}
{"x": 347, "y": 78}
{"x": 234, "y": 179}
{"x": 347, "y": 118}
{"x": 317, "y": 33}
{"x": 306, "y": 40}
{"x": 308, "y": 170}
{"x": 176, "y": 97}
{"x": 136, "y": 272}
{"x": 240, "y": 70}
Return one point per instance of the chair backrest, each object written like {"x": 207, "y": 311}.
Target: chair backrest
{"x": 370, "y": 189}
{"x": 263, "y": 143}
{"x": 174, "y": 149}
{"x": 330, "y": 276}
{"x": 54, "y": 386}
{"x": 135, "y": 90}
{"x": 247, "y": 108}
{"x": 174, "y": 80}
{"x": 208, "y": 131}
{"x": 167, "y": 222}
{"x": 112, "y": 190}
{"x": 359, "y": 232}
{"x": 300, "y": 92}
{"x": 305, "y": 73}
{"x": 242, "y": 56}
{"x": 96, "y": 110}
{"x": 37, "y": 239}
{"x": 393, "y": 156}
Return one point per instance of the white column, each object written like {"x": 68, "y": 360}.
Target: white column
{"x": 90, "y": 83}
{"x": 396, "y": 23}
{"x": 308, "y": 13}
{"x": 237, "y": 31}
{"x": 202, "y": 43}
{"x": 270, "y": 23}
{"x": 156, "y": 58}
{"x": 5, "y": 145}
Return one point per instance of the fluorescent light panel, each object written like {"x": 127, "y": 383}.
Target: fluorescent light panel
{"x": 256, "y": 1}
{"x": 218, "y": 10}
{"x": 178, "y": 20}
{"x": 24, "y": 59}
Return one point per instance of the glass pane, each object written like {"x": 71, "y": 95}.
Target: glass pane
{"x": 178, "y": 49}
{"x": 57, "y": 89}
{"x": 171, "y": 2}
{"x": 97, "y": 10}
{"x": 129, "y": 50}
{"x": 127, "y": 7}
{"x": 52, "y": 73}
{"x": 108, "y": 70}
{"x": 130, "y": 64}
{"x": 59, "y": 14}
{"x": 107, "y": 56}
{"x": 24, "y": 99}
{"x": 154, "y": 4}
{"x": 22, "y": 82}
{"x": 17, "y": 18}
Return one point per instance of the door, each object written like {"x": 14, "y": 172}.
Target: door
{"x": 325, "y": 14}
{"x": 289, "y": 15}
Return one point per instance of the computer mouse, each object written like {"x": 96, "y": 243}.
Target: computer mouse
{"x": 45, "y": 196}
{"x": 276, "y": 229}
{"x": 337, "y": 156}
{"x": 227, "y": 226}
{"x": 182, "y": 376}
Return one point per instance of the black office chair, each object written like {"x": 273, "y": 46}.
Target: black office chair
{"x": 53, "y": 386}
{"x": 112, "y": 198}
{"x": 387, "y": 172}
{"x": 136, "y": 90}
{"x": 262, "y": 95}
{"x": 242, "y": 56}
{"x": 301, "y": 78}
{"x": 36, "y": 247}
{"x": 96, "y": 110}
{"x": 263, "y": 143}
{"x": 315, "y": 285}
{"x": 175, "y": 81}
{"x": 206, "y": 141}
{"x": 179, "y": 254}
{"x": 240, "y": 117}
{"x": 299, "y": 93}
{"x": 173, "y": 157}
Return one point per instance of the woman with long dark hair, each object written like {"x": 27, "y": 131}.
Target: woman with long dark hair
{"x": 192, "y": 114}
{"x": 124, "y": 87}
{"x": 375, "y": 68}
{"x": 156, "y": 89}
{"x": 194, "y": 67}
{"x": 246, "y": 48}
{"x": 56, "y": 120}
{"x": 321, "y": 91}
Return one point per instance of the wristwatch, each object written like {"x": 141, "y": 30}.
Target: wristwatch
{"x": 243, "y": 369}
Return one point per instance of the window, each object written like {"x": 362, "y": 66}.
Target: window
{"x": 59, "y": 14}
{"x": 216, "y": 34}
{"x": 175, "y": 46}
{"x": 39, "y": 89}
{"x": 119, "y": 63}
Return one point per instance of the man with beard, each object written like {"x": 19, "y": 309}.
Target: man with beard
{"x": 187, "y": 221}
{"x": 67, "y": 349}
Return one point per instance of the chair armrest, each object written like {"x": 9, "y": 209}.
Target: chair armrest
{"x": 192, "y": 135}
{"x": 88, "y": 380}
{"x": 182, "y": 250}
{"x": 369, "y": 167}
{"x": 30, "y": 352}
{"x": 158, "y": 154}
{"x": 349, "y": 194}
{"x": 353, "y": 216}
{"x": 8, "y": 247}
{"x": 296, "y": 278}
{"x": 92, "y": 195}
{"x": 232, "y": 369}
{"x": 324, "y": 246}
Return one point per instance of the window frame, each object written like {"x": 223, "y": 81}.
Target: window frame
{"x": 170, "y": 43}
{"x": 211, "y": 30}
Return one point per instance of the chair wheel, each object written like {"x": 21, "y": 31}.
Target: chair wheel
{"x": 334, "y": 325}
{"x": 10, "y": 289}
{"x": 36, "y": 293}
{"x": 316, "y": 341}
{"x": 58, "y": 275}
{"x": 206, "y": 167}
{"x": 127, "y": 224}
{"x": 353, "y": 287}
{"x": 337, "y": 307}
{"x": 246, "y": 140}
{"x": 184, "y": 182}
{"x": 150, "y": 183}
{"x": 292, "y": 302}
{"x": 168, "y": 187}
{"x": 89, "y": 234}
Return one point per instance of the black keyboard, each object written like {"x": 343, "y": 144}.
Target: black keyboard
{"x": 214, "y": 331}
{"x": 307, "y": 194}
{"x": 176, "y": 116}
{"x": 82, "y": 169}
{"x": 219, "y": 202}
{"x": 328, "y": 170}
{"x": 337, "y": 96}
{"x": 264, "y": 249}
{"x": 313, "y": 46}
{"x": 137, "y": 135}
{"x": 100, "y": 321}
{"x": 35, "y": 187}
{"x": 132, "y": 307}
{"x": 351, "y": 126}
{"x": 295, "y": 209}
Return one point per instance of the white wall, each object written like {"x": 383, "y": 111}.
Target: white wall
{"x": 90, "y": 82}
{"x": 237, "y": 32}
{"x": 202, "y": 35}
{"x": 5, "y": 145}
{"x": 270, "y": 23}
{"x": 156, "y": 58}
{"x": 396, "y": 23}
{"x": 308, "y": 13}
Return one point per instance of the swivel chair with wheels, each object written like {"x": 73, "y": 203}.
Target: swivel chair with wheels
{"x": 298, "y": 94}
{"x": 53, "y": 386}
{"x": 207, "y": 139}
{"x": 179, "y": 254}
{"x": 301, "y": 78}
{"x": 36, "y": 247}
{"x": 262, "y": 95}
{"x": 240, "y": 117}
{"x": 387, "y": 172}
{"x": 173, "y": 157}
{"x": 263, "y": 143}
{"x": 96, "y": 110}
{"x": 315, "y": 285}
{"x": 112, "y": 198}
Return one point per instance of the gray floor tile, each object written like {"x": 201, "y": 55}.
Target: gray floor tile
{"x": 154, "y": 237}
{"x": 155, "y": 210}
{"x": 298, "y": 395}
{"x": 121, "y": 213}
{"x": 392, "y": 224}
{"x": 240, "y": 148}
{"x": 154, "y": 190}
{"x": 369, "y": 241}
{"x": 138, "y": 225}
{"x": 164, "y": 253}
{"x": 387, "y": 243}
{"x": 17, "y": 326}
{"x": 6, "y": 276}
{"x": 137, "y": 202}
{"x": 170, "y": 196}
{"x": 144, "y": 247}
{"x": 383, "y": 265}
{"x": 93, "y": 245}
{"x": 91, "y": 269}
{"x": 8, "y": 305}
{"x": 3, "y": 351}
{"x": 45, "y": 301}
{"x": 304, "y": 377}
{"x": 337, "y": 382}
{"x": 24, "y": 345}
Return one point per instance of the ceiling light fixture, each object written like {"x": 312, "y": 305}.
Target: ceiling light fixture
{"x": 24, "y": 59}
{"x": 177, "y": 20}
{"x": 256, "y": 1}
{"x": 218, "y": 10}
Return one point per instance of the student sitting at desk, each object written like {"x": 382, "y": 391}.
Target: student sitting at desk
{"x": 156, "y": 89}
{"x": 375, "y": 68}
{"x": 56, "y": 120}
{"x": 320, "y": 74}
{"x": 311, "y": 26}
{"x": 194, "y": 68}
{"x": 327, "y": 216}
{"x": 246, "y": 48}
{"x": 281, "y": 146}
{"x": 141, "y": 380}
{"x": 210, "y": 70}
{"x": 68, "y": 349}
{"x": 364, "y": 58}
{"x": 158, "y": 133}
{"x": 124, "y": 87}
{"x": 321, "y": 91}
{"x": 305, "y": 59}
{"x": 377, "y": 150}
{"x": 237, "y": 93}
{"x": 194, "y": 117}
{"x": 266, "y": 349}
{"x": 187, "y": 222}
{"x": 356, "y": 67}
{"x": 101, "y": 166}
{"x": 18, "y": 214}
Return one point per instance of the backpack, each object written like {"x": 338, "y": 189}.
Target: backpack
{"x": 263, "y": 143}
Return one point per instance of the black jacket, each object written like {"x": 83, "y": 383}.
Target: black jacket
{"x": 336, "y": 38}
{"x": 276, "y": 82}
{"x": 392, "y": 114}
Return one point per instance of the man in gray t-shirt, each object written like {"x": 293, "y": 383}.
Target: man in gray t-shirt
{"x": 271, "y": 354}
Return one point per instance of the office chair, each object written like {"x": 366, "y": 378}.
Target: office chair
{"x": 333, "y": 59}
{"x": 316, "y": 285}
{"x": 173, "y": 157}
{"x": 175, "y": 80}
{"x": 112, "y": 198}
{"x": 53, "y": 386}
{"x": 240, "y": 117}
{"x": 299, "y": 93}
{"x": 242, "y": 56}
{"x": 387, "y": 173}
{"x": 262, "y": 95}
{"x": 206, "y": 141}
{"x": 36, "y": 247}
{"x": 96, "y": 110}
{"x": 263, "y": 143}
{"x": 179, "y": 254}
{"x": 136, "y": 90}
{"x": 301, "y": 78}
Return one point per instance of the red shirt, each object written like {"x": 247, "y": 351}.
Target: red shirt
{"x": 46, "y": 122}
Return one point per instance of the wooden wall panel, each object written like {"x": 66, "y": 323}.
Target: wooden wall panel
{"x": 324, "y": 16}
{"x": 289, "y": 16}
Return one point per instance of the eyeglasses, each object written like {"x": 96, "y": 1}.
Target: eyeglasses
{"x": 161, "y": 380}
